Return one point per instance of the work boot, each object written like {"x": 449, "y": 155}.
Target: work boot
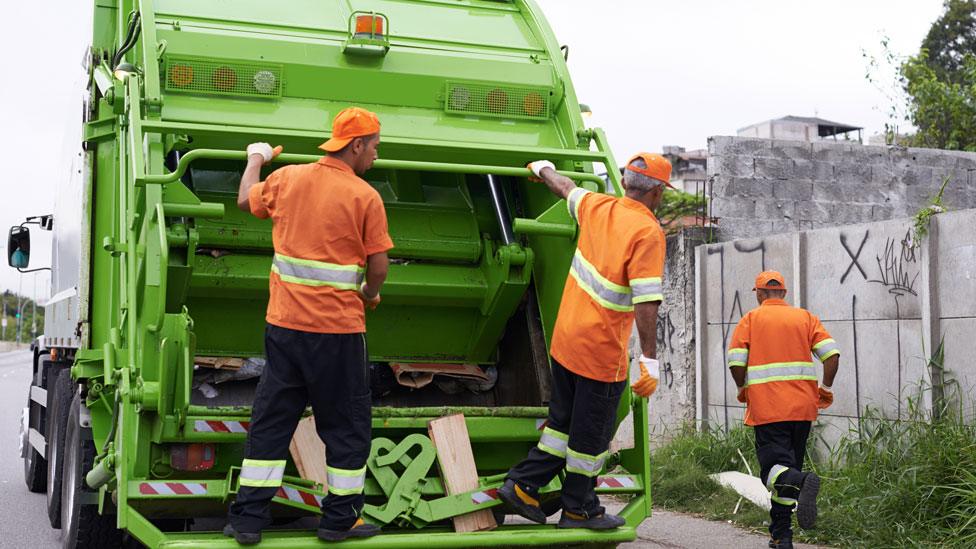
{"x": 783, "y": 543}
{"x": 243, "y": 538}
{"x": 520, "y": 502}
{"x": 806, "y": 502}
{"x": 358, "y": 530}
{"x": 603, "y": 521}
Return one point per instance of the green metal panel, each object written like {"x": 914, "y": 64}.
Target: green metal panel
{"x": 178, "y": 271}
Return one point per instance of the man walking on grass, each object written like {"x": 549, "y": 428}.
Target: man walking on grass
{"x": 770, "y": 360}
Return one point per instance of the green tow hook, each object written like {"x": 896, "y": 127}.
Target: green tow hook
{"x": 402, "y": 492}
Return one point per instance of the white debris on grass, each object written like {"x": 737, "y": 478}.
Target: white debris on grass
{"x": 747, "y": 486}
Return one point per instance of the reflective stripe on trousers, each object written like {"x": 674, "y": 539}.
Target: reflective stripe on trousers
{"x": 584, "y": 464}
{"x": 774, "y": 474}
{"x": 317, "y": 273}
{"x": 608, "y": 294}
{"x": 262, "y": 473}
{"x": 646, "y": 289}
{"x": 780, "y": 371}
{"x": 826, "y": 349}
{"x": 344, "y": 482}
{"x": 553, "y": 442}
{"x": 738, "y": 357}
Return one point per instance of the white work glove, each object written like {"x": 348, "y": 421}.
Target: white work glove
{"x": 650, "y": 370}
{"x": 263, "y": 149}
{"x": 538, "y": 165}
{"x": 370, "y": 302}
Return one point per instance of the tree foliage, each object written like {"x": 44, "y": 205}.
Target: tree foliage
{"x": 676, "y": 205}
{"x": 951, "y": 37}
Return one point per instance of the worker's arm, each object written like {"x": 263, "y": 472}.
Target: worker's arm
{"x": 646, "y": 314}
{"x": 560, "y": 185}
{"x": 830, "y": 370}
{"x": 738, "y": 375}
{"x": 258, "y": 154}
{"x": 377, "y": 266}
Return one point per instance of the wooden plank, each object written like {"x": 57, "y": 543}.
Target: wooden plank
{"x": 456, "y": 460}
{"x": 308, "y": 452}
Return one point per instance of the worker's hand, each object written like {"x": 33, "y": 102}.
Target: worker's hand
{"x": 743, "y": 395}
{"x": 537, "y": 167}
{"x": 370, "y": 302}
{"x": 264, "y": 151}
{"x": 650, "y": 371}
{"x": 826, "y": 398}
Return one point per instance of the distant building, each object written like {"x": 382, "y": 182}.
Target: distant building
{"x": 801, "y": 128}
{"x": 687, "y": 168}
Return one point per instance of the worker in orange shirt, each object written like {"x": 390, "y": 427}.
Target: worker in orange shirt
{"x": 770, "y": 359}
{"x": 330, "y": 241}
{"x": 616, "y": 274}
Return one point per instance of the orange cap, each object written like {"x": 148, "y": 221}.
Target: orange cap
{"x": 765, "y": 277}
{"x": 658, "y": 167}
{"x": 349, "y": 124}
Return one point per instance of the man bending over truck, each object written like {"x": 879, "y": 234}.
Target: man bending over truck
{"x": 615, "y": 276}
{"x": 330, "y": 241}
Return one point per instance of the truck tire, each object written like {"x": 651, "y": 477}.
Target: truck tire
{"x": 82, "y": 527}
{"x": 35, "y": 466}
{"x": 59, "y": 402}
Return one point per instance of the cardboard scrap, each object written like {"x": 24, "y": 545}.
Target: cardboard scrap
{"x": 418, "y": 375}
{"x": 219, "y": 362}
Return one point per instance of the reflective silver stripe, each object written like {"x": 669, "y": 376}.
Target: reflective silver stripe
{"x": 317, "y": 273}
{"x": 646, "y": 289}
{"x": 826, "y": 349}
{"x": 603, "y": 291}
{"x": 553, "y": 442}
{"x": 346, "y": 481}
{"x": 783, "y": 501}
{"x": 584, "y": 464}
{"x": 262, "y": 473}
{"x": 738, "y": 357}
{"x": 573, "y": 201}
{"x": 774, "y": 474}
{"x": 780, "y": 371}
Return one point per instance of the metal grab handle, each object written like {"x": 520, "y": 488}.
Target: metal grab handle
{"x": 288, "y": 158}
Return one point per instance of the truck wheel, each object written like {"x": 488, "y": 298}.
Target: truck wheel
{"x": 59, "y": 401}
{"x": 82, "y": 527}
{"x": 34, "y": 464}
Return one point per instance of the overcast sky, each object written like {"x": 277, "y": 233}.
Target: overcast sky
{"x": 654, "y": 73}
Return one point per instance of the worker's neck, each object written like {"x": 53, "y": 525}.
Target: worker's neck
{"x": 639, "y": 197}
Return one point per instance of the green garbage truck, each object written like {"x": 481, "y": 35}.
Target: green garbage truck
{"x": 144, "y": 377}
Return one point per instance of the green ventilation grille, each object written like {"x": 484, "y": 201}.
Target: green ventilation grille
{"x": 216, "y": 77}
{"x": 498, "y": 101}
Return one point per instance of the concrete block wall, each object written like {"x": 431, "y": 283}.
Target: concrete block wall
{"x": 766, "y": 186}
{"x": 886, "y": 298}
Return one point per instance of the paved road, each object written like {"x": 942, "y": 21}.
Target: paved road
{"x": 23, "y": 516}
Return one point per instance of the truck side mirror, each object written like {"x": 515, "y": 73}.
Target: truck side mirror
{"x": 18, "y": 247}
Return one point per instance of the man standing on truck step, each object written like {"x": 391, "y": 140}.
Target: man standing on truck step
{"x": 330, "y": 241}
{"x": 616, "y": 274}
{"x": 770, "y": 359}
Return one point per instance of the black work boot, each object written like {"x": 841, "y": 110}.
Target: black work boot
{"x": 358, "y": 530}
{"x": 782, "y": 543}
{"x": 243, "y": 538}
{"x": 806, "y": 502}
{"x": 603, "y": 521}
{"x": 521, "y": 502}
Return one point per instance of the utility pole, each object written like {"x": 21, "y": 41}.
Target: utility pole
{"x": 3, "y": 319}
{"x": 20, "y": 289}
{"x": 34, "y": 310}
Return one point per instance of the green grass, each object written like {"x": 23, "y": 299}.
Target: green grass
{"x": 909, "y": 483}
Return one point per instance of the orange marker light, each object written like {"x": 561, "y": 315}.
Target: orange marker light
{"x": 532, "y": 104}
{"x": 369, "y": 24}
{"x": 497, "y": 100}
{"x": 181, "y": 75}
{"x": 224, "y": 78}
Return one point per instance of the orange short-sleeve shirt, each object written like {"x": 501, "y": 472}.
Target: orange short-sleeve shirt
{"x": 326, "y": 220}
{"x": 619, "y": 261}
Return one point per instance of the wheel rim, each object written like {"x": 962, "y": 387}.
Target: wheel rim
{"x": 69, "y": 479}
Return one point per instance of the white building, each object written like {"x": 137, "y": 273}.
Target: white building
{"x": 801, "y": 128}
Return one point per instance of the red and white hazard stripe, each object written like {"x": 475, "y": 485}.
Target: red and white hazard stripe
{"x": 487, "y": 495}
{"x": 173, "y": 488}
{"x": 299, "y": 496}
{"x": 540, "y": 424}
{"x": 615, "y": 482}
{"x": 214, "y": 426}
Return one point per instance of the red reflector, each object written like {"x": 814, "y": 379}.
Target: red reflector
{"x": 224, "y": 78}
{"x": 369, "y": 24}
{"x": 191, "y": 457}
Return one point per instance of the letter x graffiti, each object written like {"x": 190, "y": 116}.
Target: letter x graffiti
{"x": 854, "y": 256}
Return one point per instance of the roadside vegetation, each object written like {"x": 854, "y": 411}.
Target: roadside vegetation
{"x": 908, "y": 483}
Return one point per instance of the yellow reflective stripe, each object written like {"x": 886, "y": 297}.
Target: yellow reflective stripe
{"x": 553, "y": 442}
{"x": 584, "y": 464}
{"x": 772, "y": 365}
{"x": 261, "y": 473}
{"x": 320, "y": 264}
{"x": 826, "y": 349}
{"x": 646, "y": 289}
{"x": 780, "y": 371}
{"x": 829, "y": 354}
{"x": 608, "y": 294}
{"x": 770, "y": 379}
{"x": 598, "y": 299}
{"x": 604, "y": 281}
{"x": 312, "y": 282}
{"x": 344, "y": 482}
{"x": 573, "y": 201}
